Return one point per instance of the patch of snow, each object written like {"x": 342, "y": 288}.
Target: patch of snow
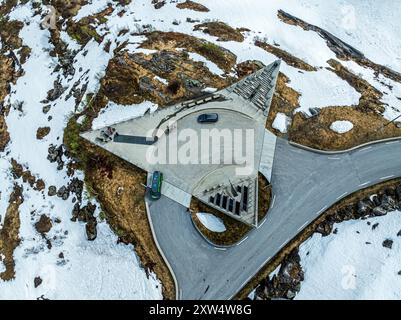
{"x": 91, "y": 8}
{"x": 114, "y": 113}
{"x": 162, "y": 80}
{"x": 211, "y": 222}
{"x": 213, "y": 68}
{"x": 342, "y": 126}
{"x": 353, "y": 264}
{"x": 281, "y": 122}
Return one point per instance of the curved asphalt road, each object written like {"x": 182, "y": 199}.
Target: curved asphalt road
{"x": 304, "y": 183}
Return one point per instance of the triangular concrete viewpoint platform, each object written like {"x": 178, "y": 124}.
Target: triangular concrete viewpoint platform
{"x": 155, "y": 142}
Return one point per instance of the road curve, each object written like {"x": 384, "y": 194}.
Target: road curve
{"x": 304, "y": 183}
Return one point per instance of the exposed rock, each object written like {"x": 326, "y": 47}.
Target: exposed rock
{"x": 399, "y": 234}
{"x": 286, "y": 283}
{"x": 158, "y": 3}
{"x": 375, "y": 226}
{"x": 84, "y": 214}
{"x": 63, "y": 193}
{"x": 91, "y": 229}
{"x": 388, "y": 243}
{"x": 76, "y": 187}
{"x": 42, "y": 132}
{"x": 52, "y": 191}
{"x": 192, "y": 6}
{"x": 46, "y": 109}
{"x": 376, "y": 200}
{"x": 379, "y": 211}
{"x": 387, "y": 202}
{"x": 324, "y": 228}
{"x": 364, "y": 207}
{"x": 44, "y": 224}
{"x": 55, "y": 154}
{"x": 37, "y": 281}
{"x": 56, "y": 92}
{"x": 40, "y": 185}
{"x": 19, "y": 171}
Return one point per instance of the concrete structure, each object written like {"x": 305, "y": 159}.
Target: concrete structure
{"x": 223, "y": 174}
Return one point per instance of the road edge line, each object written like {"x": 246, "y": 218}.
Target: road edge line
{"x": 178, "y": 293}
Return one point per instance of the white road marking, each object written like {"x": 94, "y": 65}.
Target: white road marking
{"x": 391, "y": 142}
{"x": 262, "y": 223}
{"x": 387, "y": 177}
{"x": 303, "y": 226}
{"x": 321, "y": 210}
{"x": 239, "y": 243}
{"x": 364, "y": 184}
{"x": 222, "y": 249}
{"x": 274, "y": 199}
{"x": 284, "y": 243}
{"x": 367, "y": 148}
{"x": 334, "y": 158}
{"x": 344, "y": 194}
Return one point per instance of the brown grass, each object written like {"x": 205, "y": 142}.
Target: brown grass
{"x": 264, "y": 196}
{"x": 285, "y": 56}
{"x": 308, "y": 232}
{"x": 188, "y": 4}
{"x": 221, "y": 30}
{"x": 235, "y": 230}
{"x": 9, "y": 234}
{"x": 224, "y": 58}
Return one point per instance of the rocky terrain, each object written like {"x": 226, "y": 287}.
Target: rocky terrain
{"x": 68, "y": 208}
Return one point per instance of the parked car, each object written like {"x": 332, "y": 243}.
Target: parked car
{"x": 156, "y": 187}
{"x": 208, "y": 118}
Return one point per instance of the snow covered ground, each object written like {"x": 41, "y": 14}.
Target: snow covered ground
{"x": 353, "y": 264}
{"x": 281, "y": 122}
{"x": 211, "y": 222}
{"x": 342, "y": 126}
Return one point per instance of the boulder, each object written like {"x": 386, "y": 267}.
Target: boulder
{"x": 387, "y": 202}
{"x": 324, "y": 228}
{"x": 63, "y": 193}
{"x": 388, "y": 243}
{"x": 379, "y": 211}
{"x": 52, "y": 191}
{"x": 364, "y": 207}
{"x": 376, "y": 200}
{"x": 43, "y": 225}
{"x": 91, "y": 229}
{"x": 37, "y": 281}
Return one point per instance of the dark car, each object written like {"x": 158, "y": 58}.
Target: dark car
{"x": 156, "y": 187}
{"x": 208, "y": 118}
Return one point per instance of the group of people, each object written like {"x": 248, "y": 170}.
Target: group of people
{"x": 107, "y": 135}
